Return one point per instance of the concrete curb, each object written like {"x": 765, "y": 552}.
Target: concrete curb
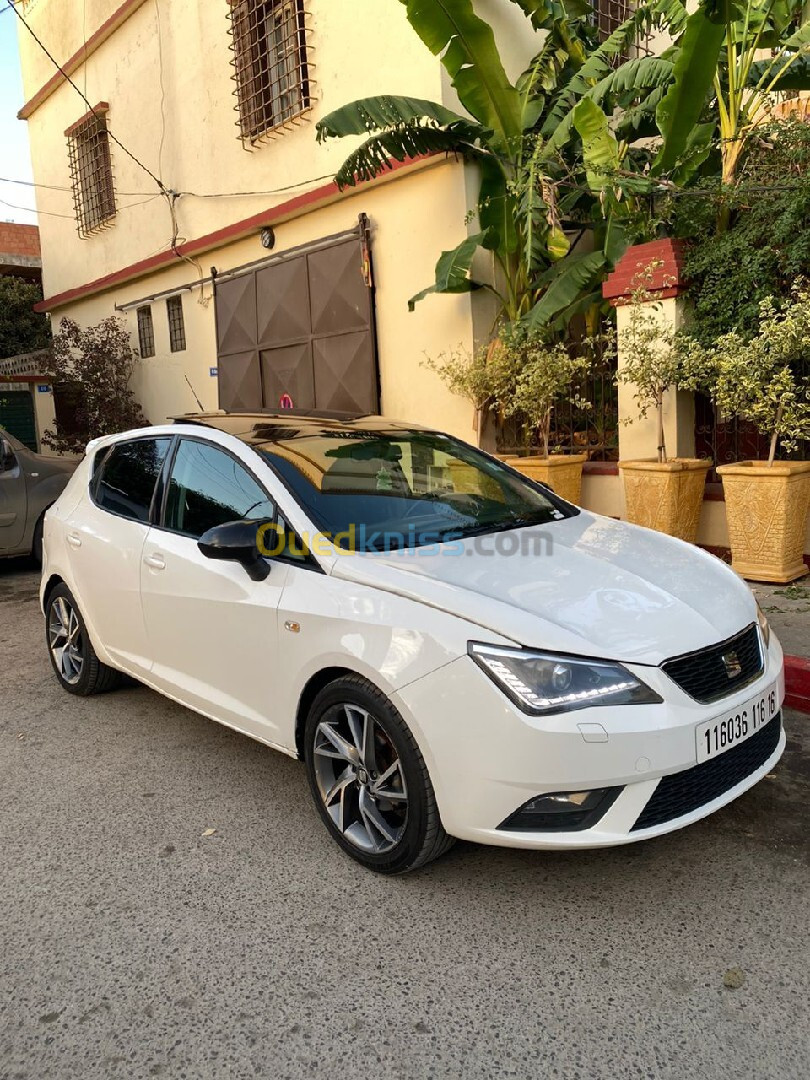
{"x": 797, "y": 683}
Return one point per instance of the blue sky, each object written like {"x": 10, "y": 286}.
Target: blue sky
{"x": 15, "y": 161}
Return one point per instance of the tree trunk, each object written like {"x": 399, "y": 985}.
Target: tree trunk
{"x": 546, "y": 430}
{"x": 662, "y": 449}
{"x": 775, "y": 435}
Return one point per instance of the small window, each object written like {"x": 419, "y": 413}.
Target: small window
{"x": 208, "y": 488}
{"x": 91, "y": 172}
{"x": 146, "y": 332}
{"x": 270, "y": 61}
{"x": 128, "y": 477}
{"x": 177, "y": 327}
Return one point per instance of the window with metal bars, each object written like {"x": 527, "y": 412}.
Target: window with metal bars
{"x": 91, "y": 172}
{"x": 146, "y": 332}
{"x": 271, "y": 70}
{"x": 608, "y": 16}
{"x": 177, "y": 328}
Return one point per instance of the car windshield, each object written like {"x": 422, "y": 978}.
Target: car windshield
{"x": 383, "y": 490}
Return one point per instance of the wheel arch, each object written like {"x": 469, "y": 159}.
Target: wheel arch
{"x": 312, "y": 688}
{"x": 50, "y": 585}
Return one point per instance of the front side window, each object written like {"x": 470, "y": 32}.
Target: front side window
{"x": 270, "y": 62}
{"x": 91, "y": 172}
{"x": 208, "y": 488}
{"x": 128, "y": 475}
{"x": 387, "y": 490}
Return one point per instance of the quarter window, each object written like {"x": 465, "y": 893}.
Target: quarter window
{"x": 208, "y": 488}
{"x": 91, "y": 171}
{"x": 146, "y": 332}
{"x": 177, "y": 328}
{"x": 270, "y": 63}
{"x": 128, "y": 477}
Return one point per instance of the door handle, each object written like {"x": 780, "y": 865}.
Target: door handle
{"x": 74, "y": 540}
{"x": 157, "y": 562}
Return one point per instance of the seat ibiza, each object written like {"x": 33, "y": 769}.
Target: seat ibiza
{"x": 452, "y": 649}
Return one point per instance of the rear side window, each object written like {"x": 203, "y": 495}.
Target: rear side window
{"x": 208, "y": 487}
{"x": 128, "y": 477}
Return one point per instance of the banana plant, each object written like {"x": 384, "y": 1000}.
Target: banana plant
{"x": 535, "y": 190}
{"x": 720, "y": 76}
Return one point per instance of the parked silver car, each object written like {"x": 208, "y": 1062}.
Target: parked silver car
{"x": 29, "y": 484}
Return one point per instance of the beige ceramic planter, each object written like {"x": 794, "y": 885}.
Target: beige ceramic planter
{"x": 666, "y": 496}
{"x": 562, "y": 472}
{"x": 766, "y": 511}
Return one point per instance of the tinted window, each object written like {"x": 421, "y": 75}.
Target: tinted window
{"x": 128, "y": 477}
{"x": 208, "y": 487}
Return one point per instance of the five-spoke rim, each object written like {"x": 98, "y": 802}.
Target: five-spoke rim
{"x": 65, "y": 638}
{"x": 360, "y": 779}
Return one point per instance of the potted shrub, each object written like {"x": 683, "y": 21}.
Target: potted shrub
{"x": 538, "y": 374}
{"x": 660, "y": 493}
{"x": 757, "y": 380}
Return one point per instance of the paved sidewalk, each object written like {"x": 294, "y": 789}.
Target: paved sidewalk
{"x": 788, "y": 611}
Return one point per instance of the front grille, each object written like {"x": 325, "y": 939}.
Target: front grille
{"x": 683, "y": 792}
{"x": 710, "y": 674}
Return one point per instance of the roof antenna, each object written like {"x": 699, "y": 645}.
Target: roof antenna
{"x": 193, "y": 394}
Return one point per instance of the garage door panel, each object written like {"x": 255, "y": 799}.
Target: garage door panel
{"x": 236, "y": 314}
{"x": 17, "y": 416}
{"x": 345, "y": 376}
{"x": 282, "y": 302}
{"x": 288, "y": 370}
{"x": 339, "y": 295}
{"x": 240, "y": 382}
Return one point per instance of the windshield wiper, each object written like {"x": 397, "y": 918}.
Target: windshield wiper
{"x": 492, "y": 527}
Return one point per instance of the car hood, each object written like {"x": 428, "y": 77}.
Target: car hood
{"x": 586, "y": 585}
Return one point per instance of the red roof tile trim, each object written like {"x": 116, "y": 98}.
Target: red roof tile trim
{"x": 665, "y": 258}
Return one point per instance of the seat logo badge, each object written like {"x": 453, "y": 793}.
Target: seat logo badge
{"x": 731, "y": 662}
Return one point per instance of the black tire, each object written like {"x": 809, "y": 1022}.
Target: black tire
{"x": 36, "y": 542}
{"x": 82, "y": 673}
{"x": 417, "y": 837}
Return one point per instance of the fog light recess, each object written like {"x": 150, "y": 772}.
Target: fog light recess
{"x": 562, "y": 811}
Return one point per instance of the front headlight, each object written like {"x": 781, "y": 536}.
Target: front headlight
{"x": 764, "y": 626}
{"x": 541, "y": 683}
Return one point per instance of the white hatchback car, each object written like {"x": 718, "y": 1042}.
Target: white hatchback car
{"x": 452, "y": 649}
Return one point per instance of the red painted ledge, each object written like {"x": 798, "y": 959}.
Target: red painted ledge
{"x": 274, "y": 215}
{"x": 797, "y": 683}
{"x": 665, "y": 258}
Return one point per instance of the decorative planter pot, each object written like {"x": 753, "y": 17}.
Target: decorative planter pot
{"x": 766, "y": 511}
{"x": 562, "y": 472}
{"x": 666, "y": 496}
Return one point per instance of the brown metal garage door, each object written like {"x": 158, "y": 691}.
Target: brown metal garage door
{"x": 297, "y": 331}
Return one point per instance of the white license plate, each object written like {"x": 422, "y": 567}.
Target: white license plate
{"x": 723, "y": 733}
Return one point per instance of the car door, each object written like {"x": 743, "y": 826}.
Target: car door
{"x": 13, "y": 499}
{"x": 212, "y": 630}
{"x": 104, "y": 538}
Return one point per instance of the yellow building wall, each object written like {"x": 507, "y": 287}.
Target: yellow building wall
{"x": 403, "y": 264}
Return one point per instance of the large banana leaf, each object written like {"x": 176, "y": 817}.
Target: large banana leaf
{"x": 466, "y": 45}
{"x": 693, "y": 74}
{"x": 796, "y": 77}
{"x": 649, "y": 73}
{"x": 400, "y": 143}
{"x": 599, "y": 147}
{"x": 378, "y": 113}
{"x": 496, "y": 207}
{"x": 567, "y": 280}
{"x": 544, "y": 13}
{"x": 453, "y": 270}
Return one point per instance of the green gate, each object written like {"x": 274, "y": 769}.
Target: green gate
{"x": 17, "y": 416}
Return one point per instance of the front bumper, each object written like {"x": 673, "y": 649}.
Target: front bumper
{"x": 487, "y": 758}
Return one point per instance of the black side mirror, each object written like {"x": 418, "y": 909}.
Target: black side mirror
{"x": 236, "y": 541}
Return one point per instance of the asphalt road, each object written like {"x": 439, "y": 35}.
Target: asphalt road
{"x": 133, "y": 945}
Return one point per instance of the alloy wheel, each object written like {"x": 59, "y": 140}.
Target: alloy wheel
{"x": 66, "y": 640}
{"x": 360, "y": 779}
